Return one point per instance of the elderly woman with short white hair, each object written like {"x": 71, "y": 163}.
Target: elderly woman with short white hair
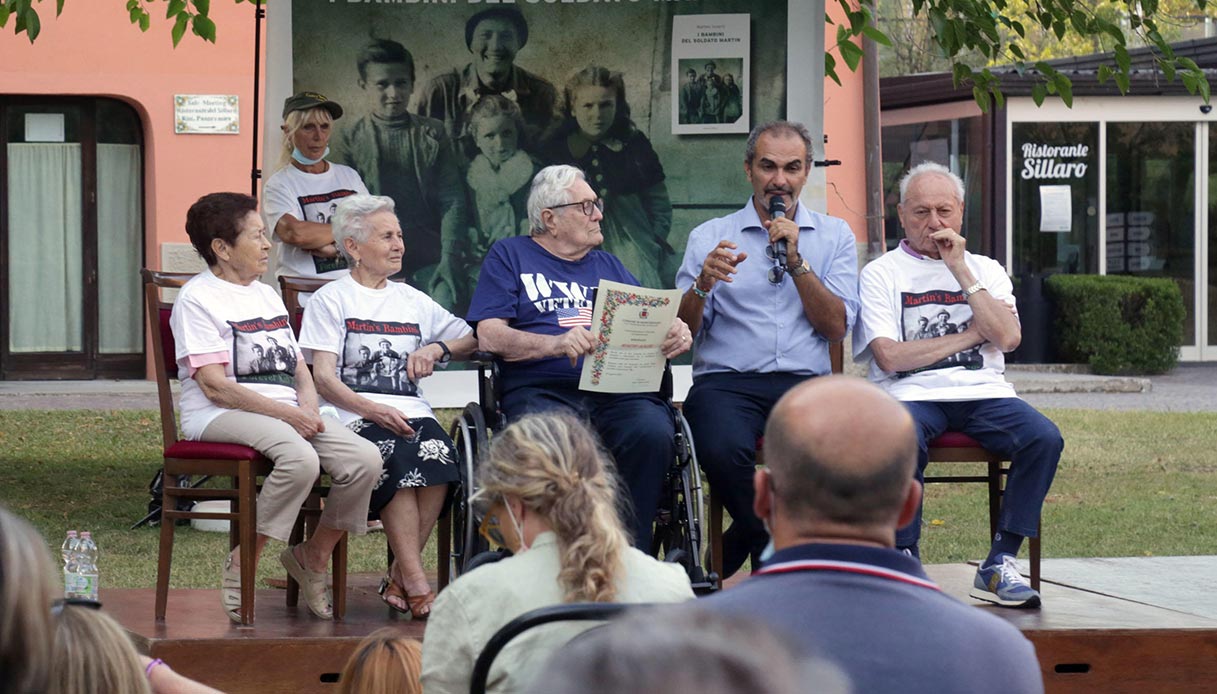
{"x": 345, "y": 325}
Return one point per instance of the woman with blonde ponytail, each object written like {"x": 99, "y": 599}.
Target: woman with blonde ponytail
{"x": 552, "y": 499}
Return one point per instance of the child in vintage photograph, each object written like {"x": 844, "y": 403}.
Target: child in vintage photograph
{"x": 499, "y": 178}
{"x": 598, "y": 136}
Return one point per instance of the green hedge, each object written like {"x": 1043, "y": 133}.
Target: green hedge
{"x": 1118, "y": 323}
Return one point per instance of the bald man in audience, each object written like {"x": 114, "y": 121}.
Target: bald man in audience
{"x": 840, "y": 456}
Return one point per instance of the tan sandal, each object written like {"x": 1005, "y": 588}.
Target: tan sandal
{"x": 230, "y": 590}
{"x": 312, "y": 584}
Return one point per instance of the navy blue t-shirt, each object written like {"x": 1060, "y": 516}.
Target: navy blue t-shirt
{"x": 536, "y": 291}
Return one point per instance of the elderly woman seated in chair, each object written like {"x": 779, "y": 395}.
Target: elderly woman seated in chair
{"x": 225, "y": 323}
{"x": 551, "y": 498}
{"x": 407, "y": 335}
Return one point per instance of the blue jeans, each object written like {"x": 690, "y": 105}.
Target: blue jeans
{"x": 727, "y": 413}
{"x": 636, "y": 428}
{"x": 1009, "y": 427}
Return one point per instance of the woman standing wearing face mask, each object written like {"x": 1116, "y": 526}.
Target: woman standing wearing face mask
{"x": 300, "y": 197}
{"x": 552, "y": 500}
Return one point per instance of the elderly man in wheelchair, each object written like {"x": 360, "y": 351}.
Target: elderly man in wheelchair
{"x": 532, "y": 310}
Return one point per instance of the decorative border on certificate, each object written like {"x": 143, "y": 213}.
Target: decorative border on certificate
{"x": 613, "y": 300}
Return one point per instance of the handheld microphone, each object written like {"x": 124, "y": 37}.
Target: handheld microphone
{"x": 777, "y": 210}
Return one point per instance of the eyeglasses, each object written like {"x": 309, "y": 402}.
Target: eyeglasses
{"x": 586, "y": 205}
{"x": 778, "y": 271}
{"x": 58, "y": 605}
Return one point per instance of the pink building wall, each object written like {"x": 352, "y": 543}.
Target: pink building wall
{"x": 93, "y": 50}
{"x": 843, "y": 117}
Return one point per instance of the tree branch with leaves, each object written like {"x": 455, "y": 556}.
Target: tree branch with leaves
{"x": 184, "y": 14}
{"x": 1005, "y": 32}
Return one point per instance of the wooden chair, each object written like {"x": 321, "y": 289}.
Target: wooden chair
{"x": 836, "y": 360}
{"x": 291, "y": 287}
{"x": 956, "y": 447}
{"x": 243, "y": 465}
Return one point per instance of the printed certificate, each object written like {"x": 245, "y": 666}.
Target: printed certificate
{"x": 629, "y": 324}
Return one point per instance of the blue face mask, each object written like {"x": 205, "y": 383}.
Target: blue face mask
{"x": 299, "y": 156}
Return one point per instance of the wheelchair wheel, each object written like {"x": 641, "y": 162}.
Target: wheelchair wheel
{"x": 679, "y": 523}
{"x": 471, "y": 436}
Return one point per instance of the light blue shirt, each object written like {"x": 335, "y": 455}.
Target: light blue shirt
{"x": 750, "y": 325}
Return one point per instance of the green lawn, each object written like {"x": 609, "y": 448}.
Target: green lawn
{"x": 1130, "y": 484}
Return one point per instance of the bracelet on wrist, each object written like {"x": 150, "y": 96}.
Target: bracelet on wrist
{"x": 152, "y": 666}
{"x": 699, "y": 292}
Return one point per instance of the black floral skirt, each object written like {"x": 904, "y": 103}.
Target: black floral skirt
{"x": 426, "y": 459}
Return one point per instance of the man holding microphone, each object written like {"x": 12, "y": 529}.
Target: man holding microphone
{"x": 767, "y": 288}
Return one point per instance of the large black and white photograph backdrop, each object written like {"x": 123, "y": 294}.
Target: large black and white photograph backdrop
{"x": 450, "y": 108}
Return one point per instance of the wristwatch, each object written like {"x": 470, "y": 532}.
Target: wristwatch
{"x": 799, "y": 270}
{"x": 447, "y": 357}
{"x": 978, "y": 287}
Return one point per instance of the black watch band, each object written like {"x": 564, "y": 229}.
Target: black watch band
{"x": 447, "y": 357}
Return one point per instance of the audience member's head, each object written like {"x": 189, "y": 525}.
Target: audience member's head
{"x": 553, "y": 467}
{"x": 685, "y": 651}
{"x": 384, "y": 663}
{"x": 93, "y": 654}
{"x": 27, "y": 587}
{"x": 839, "y": 460}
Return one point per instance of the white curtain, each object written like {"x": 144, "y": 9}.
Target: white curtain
{"x": 120, "y": 238}
{"x": 44, "y": 248}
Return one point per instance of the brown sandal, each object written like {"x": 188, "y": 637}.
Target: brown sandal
{"x": 420, "y": 605}
{"x": 389, "y": 589}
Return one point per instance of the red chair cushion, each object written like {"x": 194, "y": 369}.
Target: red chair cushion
{"x": 168, "y": 345}
{"x": 210, "y": 450}
{"x": 955, "y": 439}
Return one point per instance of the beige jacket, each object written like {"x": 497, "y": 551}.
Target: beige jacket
{"x": 470, "y": 610}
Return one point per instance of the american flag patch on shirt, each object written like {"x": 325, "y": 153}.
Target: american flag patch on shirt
{"x": 580, "y": 317}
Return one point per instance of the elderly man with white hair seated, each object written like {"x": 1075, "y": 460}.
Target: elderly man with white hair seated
{"x": 532, "y": 307}
{"x": 953, "y": 378}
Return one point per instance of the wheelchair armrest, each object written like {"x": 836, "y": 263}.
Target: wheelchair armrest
{"x": 480, "y": 357}
{"x": 490, "y": 388}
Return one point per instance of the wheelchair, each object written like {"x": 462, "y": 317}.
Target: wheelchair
{"x": 679, "y": 525}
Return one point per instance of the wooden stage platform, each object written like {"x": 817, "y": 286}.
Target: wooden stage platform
{"x": 1138, "y": 624}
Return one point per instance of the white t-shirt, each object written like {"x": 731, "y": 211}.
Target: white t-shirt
{"x": 244, "y": 327}
{"x": 373, "y": 332}
{"x": 905, "y": 297}
{"x": 308, "y": 197}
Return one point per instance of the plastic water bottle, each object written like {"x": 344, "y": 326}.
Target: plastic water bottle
{"x": 87, "y": 567}
{"x": 71, "y": 545}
